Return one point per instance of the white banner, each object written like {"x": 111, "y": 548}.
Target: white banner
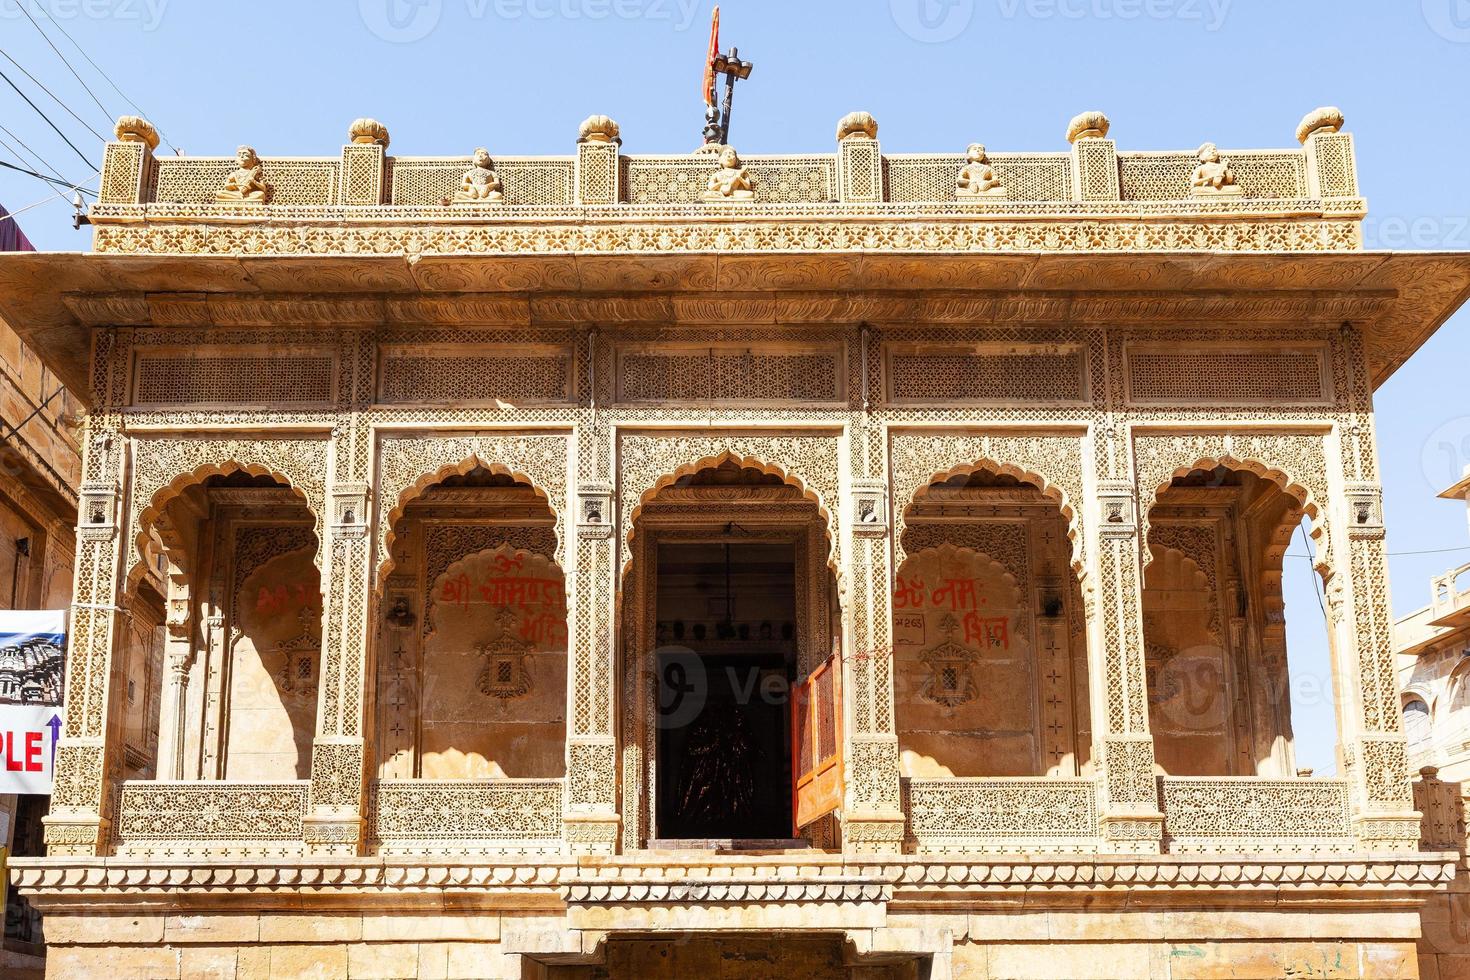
{"x": 32, "y": 657}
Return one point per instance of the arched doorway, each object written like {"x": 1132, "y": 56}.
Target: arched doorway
{"x": 729, "y": 601}
{"x": 1215, "y": 624}
{"x": 472, "y": 648}
{"x": 989, "y": 639}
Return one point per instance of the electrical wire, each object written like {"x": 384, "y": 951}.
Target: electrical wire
{"x": 35, "y": 204}
{"x": 29, "y": 157}
{"x": 82, "y": 51}
{"x": 1408, "y": 554}
{"x": 1316, "y": 582}
{"x": 54, "y": 97}
{"x": 66, "y": 139}
{"x": 50, "y": 180}
{"x": 46, "y": 37}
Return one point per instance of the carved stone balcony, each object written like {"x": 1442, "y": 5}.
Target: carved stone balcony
{"x": 1245, "y": 814}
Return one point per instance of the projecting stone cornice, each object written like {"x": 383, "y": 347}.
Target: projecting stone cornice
{"x": 676, "y": 879}
{"x": 1396, "y": 299}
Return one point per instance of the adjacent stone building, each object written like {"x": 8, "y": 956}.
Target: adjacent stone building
{"x": 843, "y": 565}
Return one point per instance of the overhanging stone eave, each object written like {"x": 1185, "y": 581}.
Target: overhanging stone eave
{"x": 1397, "y": 298}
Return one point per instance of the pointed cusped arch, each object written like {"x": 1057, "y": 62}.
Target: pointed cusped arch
{"x": 409, "y": 465}
{"x": 1294, "y": 462}
{"x": 1050, "y": 462}
{"x": 164, "y": 468}
{"x": 650, "y": 463}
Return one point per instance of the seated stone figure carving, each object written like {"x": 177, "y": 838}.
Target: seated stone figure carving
{"x": 731, "y": 182}
{"x": 977, "y": 178}
{"x": 245, "y": 184}
{"x": 1213, "y": 176}
{"x": 480, "y": 184}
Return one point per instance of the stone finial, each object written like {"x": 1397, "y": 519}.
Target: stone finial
{"x": 1327, "y": 119}
{"x": 367, "y": 130}
{"x": 599, "y": 129}
{"x": 857, "y": 125}
{"x": 136, "y": 129}
{"x": 1088, "y": 125}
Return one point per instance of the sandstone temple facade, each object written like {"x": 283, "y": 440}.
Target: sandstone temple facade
{"x": 737, "y": 565}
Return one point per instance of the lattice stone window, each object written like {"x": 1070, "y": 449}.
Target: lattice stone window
{"x": 295, "y": 180}
{"x": 986, "y": 373}
{"x": 730, "y": 374}
{"x": 777, "y": 179}
{"x": 1228, "y": 375}
{"x": 921, "y": 178}
{"x": 546, "y": 181}
{"x": 475, "y": 374}
{"x": 244, "y": 376}
{"x": 1166, "y": 176}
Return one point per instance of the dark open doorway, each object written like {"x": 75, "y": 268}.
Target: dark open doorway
{"x": 727, "y": 642}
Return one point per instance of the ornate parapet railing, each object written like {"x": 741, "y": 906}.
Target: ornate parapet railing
{"x": 1092, "y": 197}
{"x": 186, "y": 818}
{"x": 1245, "y": 814}
{"x": 491, "y": 817}
{"x": 1002, "y": 814}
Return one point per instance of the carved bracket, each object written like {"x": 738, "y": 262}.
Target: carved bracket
{"x": 349, "y": 510}
{"x": 869, "y": 508}
{"x": 1117, "y": 509}
{"x": 97, "y": 512}
{"x": 594, "y": 510}
{"x": 1365, "y": 510}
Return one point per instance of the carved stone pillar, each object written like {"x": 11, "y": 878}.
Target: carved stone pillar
{"x": 591, "y": 815}
{"x": 1128, "y": 804}
{"x": 334, "y": 821}
{"x": 1375, "y": 752}
{"x": 178, "y": 653}
{"x": 872, "y": 815}
{"x": 77, "y": 824}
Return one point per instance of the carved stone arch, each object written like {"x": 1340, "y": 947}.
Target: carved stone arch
{"x": 1052, "y": 463}
{"x": 649, "y": 463}
{"x": 1296, "y": 463}
{"x": 409, "y": 466}
{"x": 1455, "y": 686}
{"x": 164, "y": 468}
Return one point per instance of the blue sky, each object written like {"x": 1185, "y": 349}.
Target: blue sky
{"x": 518, "y": 75}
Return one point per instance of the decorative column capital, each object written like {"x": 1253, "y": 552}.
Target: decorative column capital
{"x": 594, "y": 509}
{"x": 869, "y": 511}
{"x": 1364, "y": 510}
{"x": 350, "y": 510}
{"x": 1117, "y": 511}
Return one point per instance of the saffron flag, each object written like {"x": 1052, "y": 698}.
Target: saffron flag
{"x": 32, "y": 657}
{"x": 709, "y": 61}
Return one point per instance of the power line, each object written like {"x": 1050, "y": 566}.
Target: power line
{"x": 1316, "y": 583}
{"x": 52, "y": 94}
{"x": 43, "y": 115}
{"x": 50, "y": 180}
{"x": 1408, "y": 554}
{"x": 35, "y": 159}
{"x": 82, "y": 51}
{"x": 22, "y": 6}
{"x": 45, "y": 200}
